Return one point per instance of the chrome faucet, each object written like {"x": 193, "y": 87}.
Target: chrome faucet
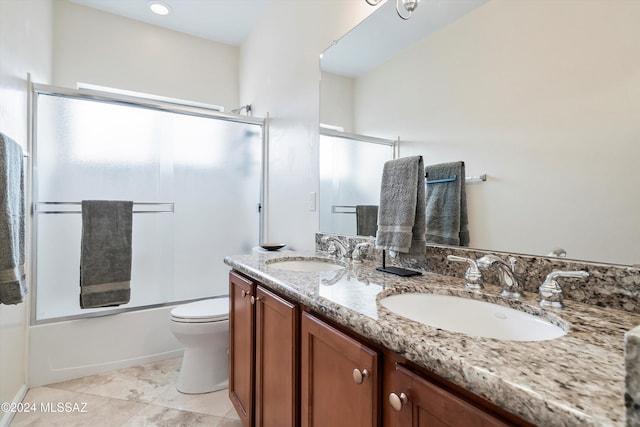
{"x": 550, "y": 290}
{"x": 506, "y": 274}
{"x": 335, "y": 247}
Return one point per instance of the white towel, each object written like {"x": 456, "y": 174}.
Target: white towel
{"x": 401, "y": 216}
{"x": 12, "y": 277}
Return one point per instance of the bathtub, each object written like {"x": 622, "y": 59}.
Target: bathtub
{"x": 72, "y": 349}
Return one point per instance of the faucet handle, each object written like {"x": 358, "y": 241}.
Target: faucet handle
{"x": 473, "y": 275}
{"x": 332, "y": 249}
{"x": 357, "y": 253}
{"x": 336, "y": 248}
{"x": 551, "y": 291}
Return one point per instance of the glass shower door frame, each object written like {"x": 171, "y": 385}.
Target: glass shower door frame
{"x": 131, "y": 101}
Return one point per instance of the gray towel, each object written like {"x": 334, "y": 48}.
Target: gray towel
{"x": 366, "y": 220}
{"x": 447, "y": 221}
{"x": 401, "y": 216}
{"x": 105, "y": 259}
{"x": 12, "y": 278}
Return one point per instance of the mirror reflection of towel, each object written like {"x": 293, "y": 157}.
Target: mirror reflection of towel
{"x": 366, "y": 220}
{"x": 105, "y": 259}
{"x": 447, "y": 221}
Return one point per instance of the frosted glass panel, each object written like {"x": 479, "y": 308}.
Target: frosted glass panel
{"x": 216, "y": 199}
{"x": 350, "y": 175}
{"x": 210, "y": 169}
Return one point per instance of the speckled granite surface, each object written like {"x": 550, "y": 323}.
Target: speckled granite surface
{"x": 632, "y": 379}
{"x": 575, "y": 380}
{"x": 608, "y": 285}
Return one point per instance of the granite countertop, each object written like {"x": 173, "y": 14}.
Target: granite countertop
{"x": 574, "y": 380}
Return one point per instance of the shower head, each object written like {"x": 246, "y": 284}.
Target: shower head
{"x": 246, "y": 108}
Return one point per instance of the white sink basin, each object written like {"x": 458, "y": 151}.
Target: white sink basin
{"x": 309, "y": 265}
{"x": 472, "y": 317}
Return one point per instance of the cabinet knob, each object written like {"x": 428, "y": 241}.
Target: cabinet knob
{"x": 244, "y": 293}
{"x": 359, "y": 376}
{"x": 254, "y": 299}
{"x": 397, "y": 402}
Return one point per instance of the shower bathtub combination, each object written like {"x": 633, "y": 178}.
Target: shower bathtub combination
{"x": 195, "y": 176}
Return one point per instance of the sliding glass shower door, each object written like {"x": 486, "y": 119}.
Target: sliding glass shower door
{"x": 194, "y": 176}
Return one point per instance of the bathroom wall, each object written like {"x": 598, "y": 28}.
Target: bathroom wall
{"x": 544, "y": 97}
{"x": 277, "y": 72}
{"x": 25, "y": 47}
{"x": 279, "y": 75}
{"x": 337, "y": 106}
{"x": 88, "y": 48}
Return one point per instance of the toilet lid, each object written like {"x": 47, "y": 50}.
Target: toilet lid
{"x": 208, "y": 310}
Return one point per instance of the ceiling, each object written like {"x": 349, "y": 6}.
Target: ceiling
{"x": 383, "y": 35}
{"x": 231, "y": 21}
{"x": 224, "y": 21}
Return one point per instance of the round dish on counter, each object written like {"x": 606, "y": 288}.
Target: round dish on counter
{"x": 272, "y": 246}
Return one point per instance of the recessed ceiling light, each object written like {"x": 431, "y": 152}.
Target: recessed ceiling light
{"x": 159, "y": 8}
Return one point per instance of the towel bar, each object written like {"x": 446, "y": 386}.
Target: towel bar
{"x": 343, "y": 209}
{"x": 36, "y": 207}
{"x": 474, "y": 178}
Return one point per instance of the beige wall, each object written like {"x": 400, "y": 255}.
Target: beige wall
{"x": 279, "y": 74}
{"x": 544, "y": 97}
{"x": 25, "y": 47}
{"x": 95, "y": 47}
{"x": 337, "y": 95}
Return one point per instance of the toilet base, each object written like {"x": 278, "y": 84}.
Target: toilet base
{"x": 203, "y": 328}
{"x": 203, "y": 372}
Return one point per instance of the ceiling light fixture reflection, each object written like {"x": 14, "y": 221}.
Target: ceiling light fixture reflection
{"x": 159, "y": 8}
{"x": 408, "y": 5}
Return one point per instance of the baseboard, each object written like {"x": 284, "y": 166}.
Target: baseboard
{"x": 7, "y": 417}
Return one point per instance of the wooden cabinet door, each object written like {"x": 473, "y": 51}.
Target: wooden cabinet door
{"x": 333, "y": 392}
{"x": 422, "y": 403}
{"x": 276, "y": 361}
{"x": 241, "y": 346}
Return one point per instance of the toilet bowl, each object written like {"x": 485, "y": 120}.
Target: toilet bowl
{"x": 203, "y": 328}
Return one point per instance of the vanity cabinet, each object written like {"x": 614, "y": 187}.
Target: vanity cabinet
{"x": 263, "y": 355}
{"x": 339, "y": 378}
{"x": 289, "y": 367}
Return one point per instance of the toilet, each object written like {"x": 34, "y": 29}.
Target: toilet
{"x": 203, "y": 328}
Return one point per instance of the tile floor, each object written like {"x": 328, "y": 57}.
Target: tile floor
{"x": 140, "y": 396}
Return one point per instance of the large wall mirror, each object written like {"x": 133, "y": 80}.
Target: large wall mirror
{"x": 350, "y": 179}
{"x": 543, "y": 97}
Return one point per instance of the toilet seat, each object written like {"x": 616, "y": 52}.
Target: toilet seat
{"x": 205, "y": 311}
